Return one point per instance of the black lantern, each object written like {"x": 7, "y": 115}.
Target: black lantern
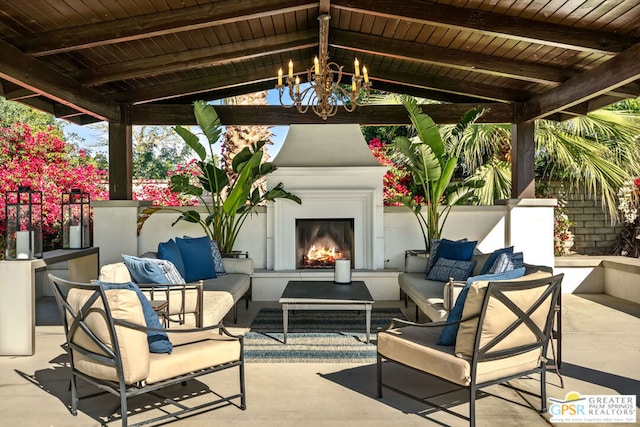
{"x": 76, "y": 220}
{"x": 23, "y": 221}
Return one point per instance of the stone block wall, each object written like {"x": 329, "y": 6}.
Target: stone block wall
{"x": 594, "y": 234}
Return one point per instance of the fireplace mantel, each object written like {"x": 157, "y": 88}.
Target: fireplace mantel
{"x": 332, "y": 170}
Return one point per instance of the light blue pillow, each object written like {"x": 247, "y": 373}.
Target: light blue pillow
{"x": 449, "y": 332}
{"x": 492, "y": 258}
{"x": 144, "y": 270}
{"x": 197, "y": 258}
{"x": 158, "y": 340}
{"x": 169, "y": 251}
{"x": 445, "y": 268}
{"x": 506, "y": 262}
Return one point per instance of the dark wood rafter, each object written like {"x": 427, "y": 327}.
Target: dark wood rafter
{"x": 246, "y": 115}
{"x": 154, "y": 24}
{"x": 492, "y": 24}
{"x": 618, "y": 71}
{"x": 35, "y": 76}
{"x": 453, "y": 58}
{"x": 198, "y": 58}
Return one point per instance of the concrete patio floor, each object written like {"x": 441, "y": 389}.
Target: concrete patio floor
{"x": 601, "y": 349}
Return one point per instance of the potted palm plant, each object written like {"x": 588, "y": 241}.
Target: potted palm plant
{"x": 233, "y": 196}
{"x": 432, "y": 160}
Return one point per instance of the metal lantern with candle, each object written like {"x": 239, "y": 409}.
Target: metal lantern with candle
{"x": 23, "y": 224}
{"x": 76, "y": 219}
{"x": 342, "y": 272}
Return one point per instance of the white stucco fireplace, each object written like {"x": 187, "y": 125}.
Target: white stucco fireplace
{"x": 333, "y": 171}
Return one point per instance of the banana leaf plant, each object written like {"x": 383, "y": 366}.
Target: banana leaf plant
{"x": 231, "y": 197}
{"x": 432, "y": 162}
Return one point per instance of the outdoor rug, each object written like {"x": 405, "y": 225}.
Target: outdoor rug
{"x": 315, "y": 336}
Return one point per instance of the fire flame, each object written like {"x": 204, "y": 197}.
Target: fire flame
{"x": 323, "y": 254}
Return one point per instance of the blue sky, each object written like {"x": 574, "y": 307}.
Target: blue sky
{"x": 93, "y": 137}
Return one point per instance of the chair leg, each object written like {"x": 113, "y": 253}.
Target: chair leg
{"x": 543, "y": 390}
{"x": 123, "y": 405}
{"x": 379, "y": 377}
{"x": 74, "y": 395}
{"x": 243, "y": 398}
{"x": 472, "y": 405}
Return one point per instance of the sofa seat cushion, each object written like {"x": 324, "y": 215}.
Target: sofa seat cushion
{"x": 235, "y": 284}
{"x": 192, "y": 352}
{"x": 216, "y": 305}
{"x": 426, "y": 294}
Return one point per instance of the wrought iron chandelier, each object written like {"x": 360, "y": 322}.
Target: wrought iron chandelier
{"x": 325, "y": 94}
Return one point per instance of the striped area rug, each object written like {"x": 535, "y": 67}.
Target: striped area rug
{"x": 315, "y": 336}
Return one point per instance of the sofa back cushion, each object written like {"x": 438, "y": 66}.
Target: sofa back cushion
{"x": 498, "y": 314}
{"x": 115, "y": 273}
{"x": 134, "y": 350}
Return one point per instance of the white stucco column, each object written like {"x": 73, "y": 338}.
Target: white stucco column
{"x": 529, "y": 228}
{"x": 115, "y": 228}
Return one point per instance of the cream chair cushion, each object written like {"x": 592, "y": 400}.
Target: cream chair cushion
{"x": 134, "y": 347}
{"x": 499, "y": 315}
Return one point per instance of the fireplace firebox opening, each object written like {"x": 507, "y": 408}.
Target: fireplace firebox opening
{"x": 320, "y": 241}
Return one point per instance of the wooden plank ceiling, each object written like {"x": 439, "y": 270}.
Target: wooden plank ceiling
{"x": 148, "y": 60}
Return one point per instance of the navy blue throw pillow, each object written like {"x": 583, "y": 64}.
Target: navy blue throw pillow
{"x": 158, "y": 340}
{"x": 460, "y": 251}
{"x": 444, "y": 269}
{"x": 450, "y": 332}
{"x": 492, "y": 258}
{"x": 169, "y": 251}
{"x": 197, "y": 258}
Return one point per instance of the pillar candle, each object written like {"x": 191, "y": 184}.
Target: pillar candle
{"x": 74, "y": 237}
{"x": 342, "y": 272}
{"x": 24, "y": 243}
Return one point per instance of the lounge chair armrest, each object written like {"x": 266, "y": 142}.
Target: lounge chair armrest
{"x": 404, "y": 322}
{"x": 451, "y": 291}
{"x": 144, "y": 328}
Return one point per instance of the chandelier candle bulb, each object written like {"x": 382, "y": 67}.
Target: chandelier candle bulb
{"x": 316, "y": 65}
{"x": 280, "y": 77}
{"x": 365, "y": 74}
{"x": 297, "y": 84}
{"x": 290, "y": 69}
{"x": 353, "y": 86}
{"x": 356, "y": 64}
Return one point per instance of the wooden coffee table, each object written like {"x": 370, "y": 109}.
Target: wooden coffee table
{"x": 325, "y": 295}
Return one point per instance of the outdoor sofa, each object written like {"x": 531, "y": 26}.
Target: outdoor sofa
{"x": 215, "y": 296}
{"x": 436, "y": 298}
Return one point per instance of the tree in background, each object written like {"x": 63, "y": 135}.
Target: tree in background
{"x": 237, "y": 138}
{"x": 43, "y": 161}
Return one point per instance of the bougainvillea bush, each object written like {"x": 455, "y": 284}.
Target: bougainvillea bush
{"x": 397, "y": 180}
{"x": 45, "y": 163}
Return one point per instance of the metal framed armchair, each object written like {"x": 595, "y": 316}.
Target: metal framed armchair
{"x": 108, "y": 346}
{"x": 504, "y": 334}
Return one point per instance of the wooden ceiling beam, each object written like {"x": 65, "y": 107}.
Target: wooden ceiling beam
{"x": 265, "y": 115}
{"x": 155, "y": 24}
{"x": 198, "y": 86}
{"x": 35, "y": 76}
{"x": 197, "y": 58}
{"x": 622, "y": 69}
{"x": 214, "y": 95}
{"x": 453, "y": 58}
{"x": 494, "y": 24}
{"x": 446, "y": 84}
{"x": 419, "y": 92}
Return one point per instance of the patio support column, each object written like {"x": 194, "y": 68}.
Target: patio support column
{"x": 523, "y": 174}
{"x": 121, "y": 157}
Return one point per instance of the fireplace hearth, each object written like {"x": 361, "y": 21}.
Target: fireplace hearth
{"x": 320, "y": 241}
